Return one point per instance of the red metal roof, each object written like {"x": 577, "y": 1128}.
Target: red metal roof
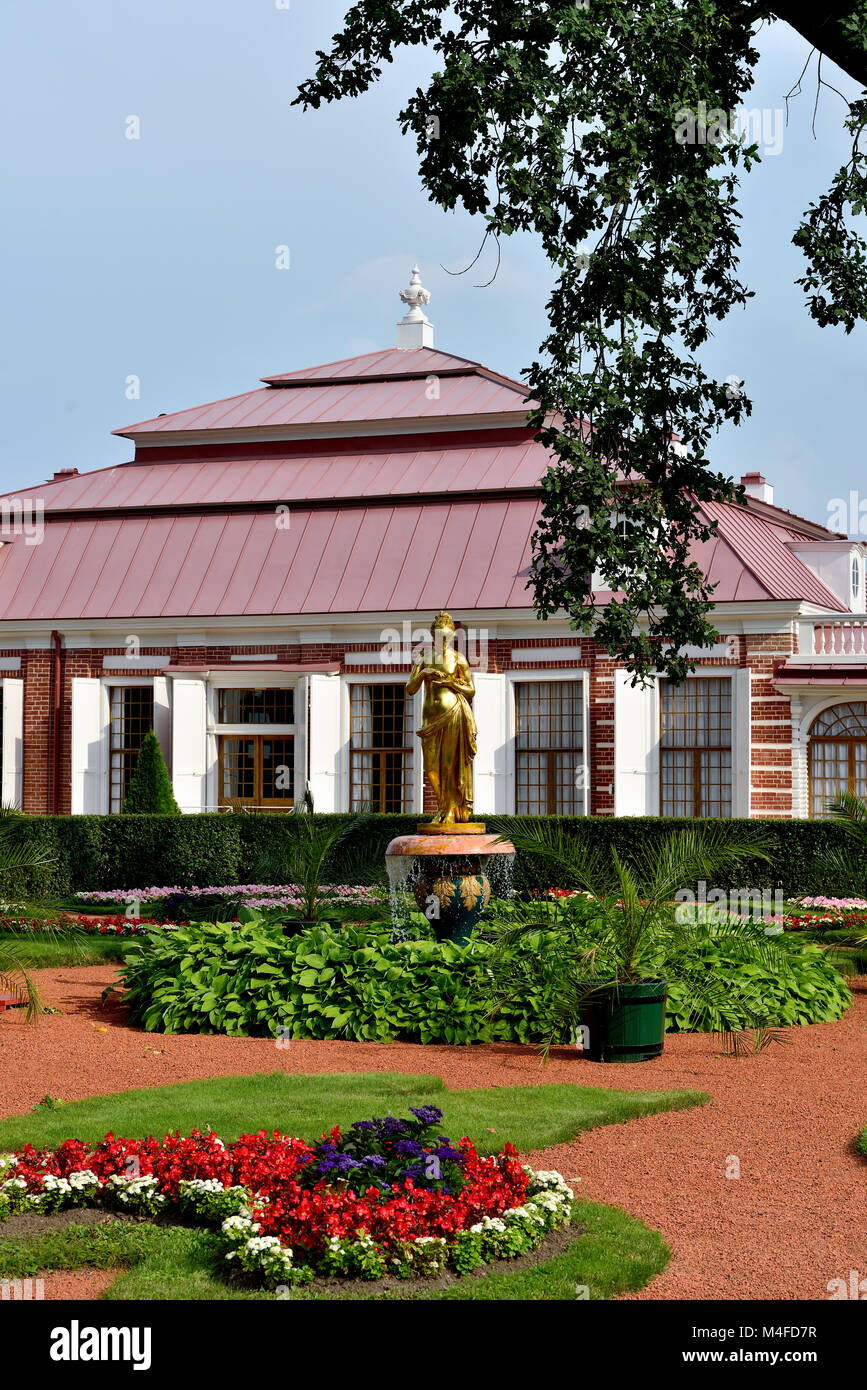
{"x": 376, "y": 472}
{"x": 351, "y": 559}
{"x": 756, "y": 546}
{"x": 386, "y": 386}
{"x": 388, "y": 362}
{"x": 835, "y": 674}
{"x": 385, "y": 523}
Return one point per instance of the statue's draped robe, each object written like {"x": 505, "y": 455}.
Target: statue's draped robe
{"x": 449, "y": 745}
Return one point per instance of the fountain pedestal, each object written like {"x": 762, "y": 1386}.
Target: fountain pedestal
{"x": 445, "y": 866}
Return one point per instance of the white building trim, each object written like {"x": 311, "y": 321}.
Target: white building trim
{"x": 578, "y": 673}
{"x": 13, "y": 741}
{"x": 342, "y": 759}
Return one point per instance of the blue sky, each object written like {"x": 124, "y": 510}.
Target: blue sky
{"x": 156, "y": 257}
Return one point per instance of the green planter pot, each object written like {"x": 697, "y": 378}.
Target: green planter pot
{"x": 626, "y": 1023}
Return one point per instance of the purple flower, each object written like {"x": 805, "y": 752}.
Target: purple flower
{"x": 427, "y": 1114}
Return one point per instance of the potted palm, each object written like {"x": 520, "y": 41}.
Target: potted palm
{"x": 629, "y": 939}
{"x": 304, "y": 856}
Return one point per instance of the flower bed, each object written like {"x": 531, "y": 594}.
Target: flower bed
{"x": 388, "y": 1197}
{"x": 256, "y": 895}
{"x": 116, "y": 925}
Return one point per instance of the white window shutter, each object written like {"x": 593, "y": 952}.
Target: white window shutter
{"x": 741, "y": 761}
{"x": 325, "y": 741}
{"x": 89, "y": 770}
{"x": 636, "y": 741}
{"x": 301, "y": 700}
{"x": 190, "y": 744}
{"x": 163, "y": 718}
{"x": 13, "y": 741}
{"x": 491, "y": 790}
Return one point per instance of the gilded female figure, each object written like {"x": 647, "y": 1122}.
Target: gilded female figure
{"x": 448, "y": 731}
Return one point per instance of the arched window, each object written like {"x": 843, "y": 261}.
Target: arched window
{"x": 838, "y": 754}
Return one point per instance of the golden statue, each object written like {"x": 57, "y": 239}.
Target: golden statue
{"x": 448, "y": 730}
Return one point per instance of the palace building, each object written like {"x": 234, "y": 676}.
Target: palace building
{"x": 250, "y": 585}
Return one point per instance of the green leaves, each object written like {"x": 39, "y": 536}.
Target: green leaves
{"x": 519, "y": 987}
{"x": 568, "y": 122}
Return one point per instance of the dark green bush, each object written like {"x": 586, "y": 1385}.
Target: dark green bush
{"x": 150, "y": 789}
{"x": 810, "y": 991}
{"x": 354, "y": 983}
{"x": 211, "y": 850}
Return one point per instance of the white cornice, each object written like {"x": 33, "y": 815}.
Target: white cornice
{"x": 344, "y": 429}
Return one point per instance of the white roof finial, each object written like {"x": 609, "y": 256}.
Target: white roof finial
{"x": 415, "y": 330}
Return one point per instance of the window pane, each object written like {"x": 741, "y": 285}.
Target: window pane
{"x": 237, "y": 769}
{"x": 678, "y": 792}
{"x": 715, "y": 786}
{"x": 381, "y": 747}
{"x": 829, "y": 773}
{"x": 549, "y": 740}
{"x": 132, "y": 716}
{"x": 276, "y": 706}
{"x": 697, "y": 714}
{"x": 695, "y": 747}
{"x": 278, "y": 769}
{"x": 840, "y": 720}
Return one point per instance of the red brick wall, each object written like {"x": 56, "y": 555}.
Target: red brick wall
{"x": 771, "y": 720}
{"x": 770, "y": 727}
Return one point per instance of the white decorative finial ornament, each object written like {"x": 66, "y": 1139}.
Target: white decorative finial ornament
{"x": 415, "y": 330}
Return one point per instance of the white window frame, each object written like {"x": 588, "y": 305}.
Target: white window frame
{"x": 741, "y": 702}
{"x": 574, "y": 673}
{"x": 12, "y": 742}
{"x": 416, "y": 766}
{"x": 107, "y": 682}
{"x": 254, "y": 680}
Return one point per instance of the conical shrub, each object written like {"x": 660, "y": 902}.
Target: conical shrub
{"x": 150, "y": 790}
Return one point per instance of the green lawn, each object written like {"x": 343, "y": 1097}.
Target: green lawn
{"x": 162, "y": 1262}
{"x": 616, "y": 1254}
{"x": 530, "y": 1117}
{"x": 41, "y": 952}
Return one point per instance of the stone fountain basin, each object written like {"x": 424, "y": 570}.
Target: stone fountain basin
{"x": 442, "y": 846}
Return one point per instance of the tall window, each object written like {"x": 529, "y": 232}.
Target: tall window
{"x": 380, "y": 767}
{"x": 696, "y": 747}
{"x": 257, "y": 769}
{"x": 274, "y": 706}
{"x": 257, "y": 772}
{"x": 132, "y": 716}
{"x": 549, "y": 748}
{"x": 838, "y": 754}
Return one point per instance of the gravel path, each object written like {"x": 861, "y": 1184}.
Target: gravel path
{"x": 794, "y": 1219}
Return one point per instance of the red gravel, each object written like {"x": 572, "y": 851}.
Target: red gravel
{"x": 82, "y": 1285}
{"x": 794, "y": 1219}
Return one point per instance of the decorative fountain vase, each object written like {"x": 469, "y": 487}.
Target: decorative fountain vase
{"x": 445, "y": 866}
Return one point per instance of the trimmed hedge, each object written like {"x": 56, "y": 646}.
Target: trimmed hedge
{"x": 102, "y": 852}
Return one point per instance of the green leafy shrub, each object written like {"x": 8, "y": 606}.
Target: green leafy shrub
{"x": 861, "y": 1142}
{"x": 355, "y": 983}
{"x": 808, "y": 990}
{"x": 91, "y": 852}
{"x": 150, "y": 790}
